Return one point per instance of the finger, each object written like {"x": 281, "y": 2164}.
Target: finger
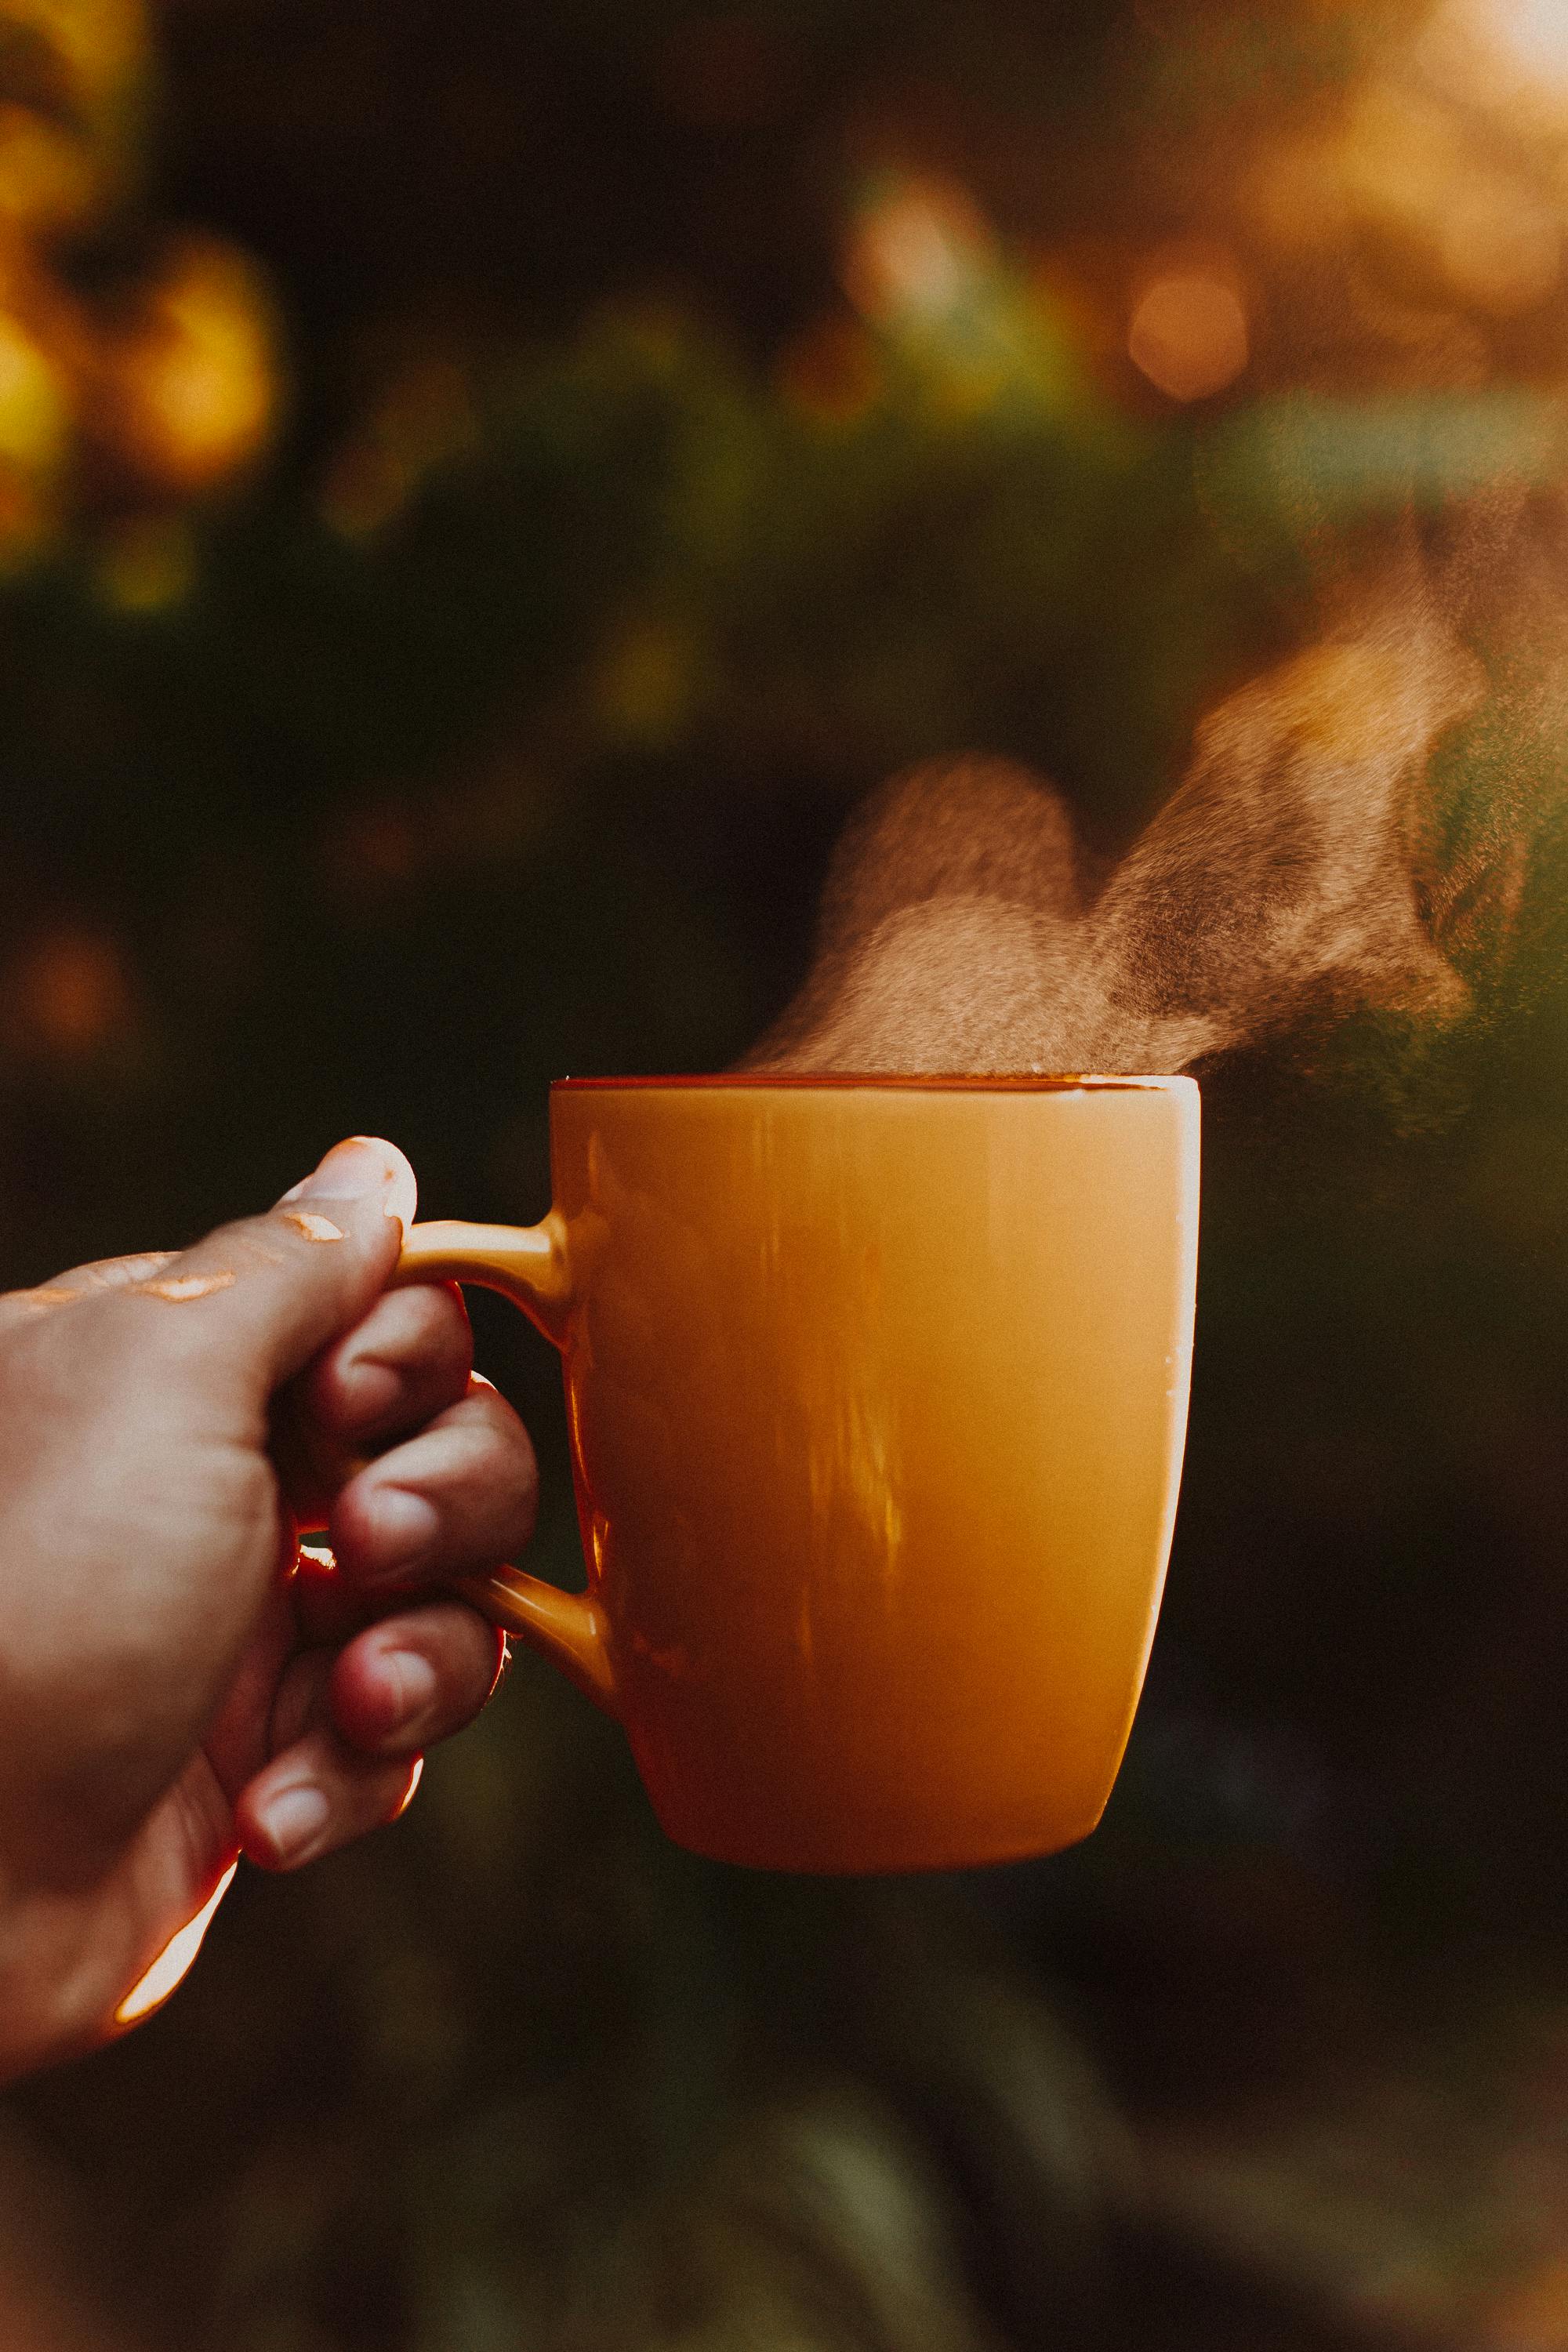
{"x": 414, "y": 1679}
{"x": 242, "y": 1736}
{"x": 299, "y": 1702}
{"x": 147, "y": 1920}
{"x": 458, "y": 1498}
{"x": 318, "y": 1795}
{"x": 79, "y": 1281}
{"x": 328, "y": 1610}
{"x": 409, "y": 1358}
{"x": 259, "y": 1298}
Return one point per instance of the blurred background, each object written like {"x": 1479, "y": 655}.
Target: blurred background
{"x": 482, "y": 493}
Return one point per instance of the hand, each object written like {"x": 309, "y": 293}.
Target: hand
{"x": 177, "y": 1682}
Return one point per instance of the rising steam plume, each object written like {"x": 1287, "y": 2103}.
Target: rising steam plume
{"x": 961, "y": 930}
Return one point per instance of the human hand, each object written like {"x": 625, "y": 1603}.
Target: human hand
{"x": 177, "y": 1682}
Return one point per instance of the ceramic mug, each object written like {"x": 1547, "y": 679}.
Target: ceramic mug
{"x": 876, "y": 1392}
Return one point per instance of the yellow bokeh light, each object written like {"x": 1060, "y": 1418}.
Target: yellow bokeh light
{"x": 34, "y": 419}
{"x": 47, "y": 179}
{"x": 62, "y": 160}
{"x": 175, "y": 1960}
{"x": 1188, "y": 334}
{"x": 98, "y": 42}
{"x": 189, "y": 387}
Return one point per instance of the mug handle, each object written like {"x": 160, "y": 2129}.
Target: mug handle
{"x": 527, "y": 1264}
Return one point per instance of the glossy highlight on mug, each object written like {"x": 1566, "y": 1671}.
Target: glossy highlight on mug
{"x": 877, "y": 1391}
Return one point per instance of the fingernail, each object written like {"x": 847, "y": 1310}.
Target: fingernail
{"x": 354, "y": 1171}
{"x": 293, "y": 1821}
{"x": 418, "y": 1688}
{"x": 403, "y": 1528}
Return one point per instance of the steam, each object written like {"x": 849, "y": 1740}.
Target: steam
{"x": 962, "y": 931}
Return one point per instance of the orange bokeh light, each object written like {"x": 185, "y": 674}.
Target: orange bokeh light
{"x": 189, "y": 387}
{"x": 68, "y": 994}
{"x": 1189, "y": 331}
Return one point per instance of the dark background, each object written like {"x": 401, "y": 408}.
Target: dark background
{"x": 481, "y": 498}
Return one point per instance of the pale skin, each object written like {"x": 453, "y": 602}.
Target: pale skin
{"x": 177, "y": 1687}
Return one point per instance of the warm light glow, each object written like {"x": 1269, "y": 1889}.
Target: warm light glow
{"x": 100, "y": 45}
{"x": 1498, "y": 48}
{"x": 62, "y": 132}
{"x": 1532, "y": 35}
{"x": 1188, "y": 334}
{"x": 68, "y": 993}
{"x": 915, "y": 252}
{"x": 190, "y": 389}
{"x": 1500, "y": 246}
{"x": 1402, "y": 159}
{"x": 1409, "y": 169}
{"x": 33, "y": 420}
{"x": 48, "y": 178}
{"x": 175, "y": 1961}
{"x": 1537, "y": 33}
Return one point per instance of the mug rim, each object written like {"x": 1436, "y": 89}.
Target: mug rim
{"x": 888, "y": 1081}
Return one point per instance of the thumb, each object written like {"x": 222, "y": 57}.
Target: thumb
{"x": 272, "y": 1290}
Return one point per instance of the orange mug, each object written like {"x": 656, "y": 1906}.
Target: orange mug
{"x": 877, "y": 1391}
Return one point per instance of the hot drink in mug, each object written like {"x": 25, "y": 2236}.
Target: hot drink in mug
{"x": 877, "y": 1390}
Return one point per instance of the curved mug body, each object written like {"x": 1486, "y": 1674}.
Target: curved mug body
{"x": 876, "y": 1392}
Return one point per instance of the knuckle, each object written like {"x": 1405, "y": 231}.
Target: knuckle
{"x": 264, "y": 1236}
{"x": 439, "y": 1327}
{"x": 501, "y": 1422}
{"x": 499, "y": 1463}
{"x": 471, "y": 1650}
{"x": 444, "y": 1302}
{"x": 424, "y": 1324}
